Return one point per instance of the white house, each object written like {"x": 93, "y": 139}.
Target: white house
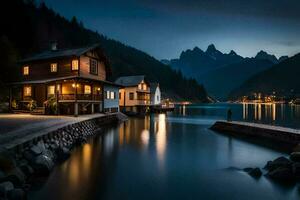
{"x": 155, "y": 94}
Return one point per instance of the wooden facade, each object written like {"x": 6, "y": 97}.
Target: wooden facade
{"x": 62, "y": 82}
{"x": 135, "y": 96}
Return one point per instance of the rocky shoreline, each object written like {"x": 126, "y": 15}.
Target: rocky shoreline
{"x": 281, "y": 170}
{"x": 22, "y": 164}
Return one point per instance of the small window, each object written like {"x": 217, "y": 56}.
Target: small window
{"x": 112, "y": 95}
{"x": 27, "y": 91}
{"x": 131, "y": 96}
{"x": 107, "y": 96}
{"x": 140, "y": 86}
{"x": 51, "y": 90}
{"x": 93, "y": 67}
{"x": 87, "y": 89}
{"x": 144, "y": 86}
{"x": 53, "y": 67}
{"x": 26, "y": 70}
{"x": 75, "y": 65}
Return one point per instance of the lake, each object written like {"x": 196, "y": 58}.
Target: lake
{"x": 173, "y": 156}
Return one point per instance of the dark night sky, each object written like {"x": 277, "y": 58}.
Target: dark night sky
{"x": 163, "y": 28}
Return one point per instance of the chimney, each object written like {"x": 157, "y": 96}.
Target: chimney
{"x": 53, "y": 46}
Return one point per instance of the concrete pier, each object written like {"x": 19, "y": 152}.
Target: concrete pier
{"x": 284, "y": 135}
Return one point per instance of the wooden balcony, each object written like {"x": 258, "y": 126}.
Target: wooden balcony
{"x": 80, "y": 97}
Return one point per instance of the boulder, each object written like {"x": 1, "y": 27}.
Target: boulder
{"x": 295, "y": 156}
{"x": 255, "y": 173}
{"x": 16, "y": 194}
{"x": 278, "y": 162}
{"x": 36, "y": 150}
{"x": 27, "y": 169}
{"x": 43, "y": 165}
{"x": 283, "y": 174}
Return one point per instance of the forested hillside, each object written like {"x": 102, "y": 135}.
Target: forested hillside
{"x": 29, "y": 28}
{"x": 283, "y": 79}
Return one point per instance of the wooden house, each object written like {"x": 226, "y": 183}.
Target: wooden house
{"x": 135, "y": 94}
{"x": 69, "y": 81}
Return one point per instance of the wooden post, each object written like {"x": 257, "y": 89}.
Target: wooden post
{"x": 56, "y": 98}
{"x": 76, "y": 103}
{"x": 93, "y": 110}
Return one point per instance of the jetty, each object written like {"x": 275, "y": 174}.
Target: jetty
{"x": 270, "y": 133}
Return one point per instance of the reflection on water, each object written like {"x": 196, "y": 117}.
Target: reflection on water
{"x": 172, "y": 156}
{"x": 161, "y": 136}
{"x": 269, "y": 113}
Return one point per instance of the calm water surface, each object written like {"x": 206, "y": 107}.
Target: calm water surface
{"x": 172, "y": 156}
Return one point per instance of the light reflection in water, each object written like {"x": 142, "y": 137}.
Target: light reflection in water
{"x": 145, "y": 137}
{"x": 260, "y": 111}
{"x": 161, "y": 137}
{"x": 135, "y": 131}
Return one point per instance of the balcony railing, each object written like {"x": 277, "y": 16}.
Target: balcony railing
{"x": 95, "y": 97}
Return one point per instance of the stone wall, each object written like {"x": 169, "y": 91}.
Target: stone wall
{"x": 37, "y": 157}
{"x": 272, "y": 134}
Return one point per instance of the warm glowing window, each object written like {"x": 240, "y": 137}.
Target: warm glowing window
{"x": 107, "y": 94}
{"x": 26, "y": 70}
{"x": 144, "y": 87}
{"x": 27, "y": 91}
{"x": 112, "y": 95}
{"x": 75, "y": 65}
{"x": 53, "y": 67}
{"x": 140, "y": 86}
{"x": 51, "y": 90}
{"x": 87, "y": 89}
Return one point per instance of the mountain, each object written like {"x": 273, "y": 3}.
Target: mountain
{"x": 214, "y": 68}
{"x": 282, "y": 78}
{"x": 30, "y": 28}
{"x": 262, "y": 55}
{"x": 222, "y": 81}
{"x": 196, "y": 62}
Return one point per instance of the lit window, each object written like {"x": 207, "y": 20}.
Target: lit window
{"x": 140, "y": 86}
{"x": 53, "y": 67}
{"x": 93, "y": 67}
{"x": 112, "y": 95}
{"x": 51, "y": 90}
{"x": 75, "y": 64}
{"x": 27, "y": 91}
{"x": 87, "y": 89}
{"x": 26, "y": 70}
{"x": 144, "y": 87}
{"x": 107, "y": 95}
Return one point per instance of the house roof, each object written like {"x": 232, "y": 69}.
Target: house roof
{"x": 60, "y": 53}
{"x": 130, "y": 80}
{"x": 153, "y": 87}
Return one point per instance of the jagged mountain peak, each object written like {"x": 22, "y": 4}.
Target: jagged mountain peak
{"x": 264, "y": 55}
{"x": 282, "y": 58}
{"x": 211, "y": 48}
{"x": 232, "y": 53}
{"x": 197, "y": 49}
